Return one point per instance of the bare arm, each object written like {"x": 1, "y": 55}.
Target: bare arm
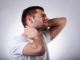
{"x": 37, "y": 47}
{"x": 56, "y": 25}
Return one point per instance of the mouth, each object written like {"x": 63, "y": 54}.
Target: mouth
{"x": 45, "y": 21}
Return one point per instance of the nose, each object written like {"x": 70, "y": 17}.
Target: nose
{"x": 46, "y": 19}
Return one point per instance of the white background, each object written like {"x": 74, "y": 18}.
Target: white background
{"x": 66, "y": 46}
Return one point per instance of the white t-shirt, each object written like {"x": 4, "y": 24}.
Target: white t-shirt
{"x": 18, "y": 43}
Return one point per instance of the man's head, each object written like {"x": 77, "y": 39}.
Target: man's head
{"x": 35, "y": 17}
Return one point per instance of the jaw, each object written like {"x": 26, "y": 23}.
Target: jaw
{"x": 42, "y": 28}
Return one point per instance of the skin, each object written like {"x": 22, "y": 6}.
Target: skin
{"x": 38, "y": 20}
{"x": 56, "y": 25}
{"x": 36, "y": 25}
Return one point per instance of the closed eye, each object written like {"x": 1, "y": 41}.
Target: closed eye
{"x": 43, "y": 15}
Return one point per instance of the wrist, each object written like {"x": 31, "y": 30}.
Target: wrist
{"x": 49, "y": 23}
{"x": 38, "y": 37}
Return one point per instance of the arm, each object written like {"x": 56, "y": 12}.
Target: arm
{"x": 56, "y": 25}
{"x": 35, "y": 48}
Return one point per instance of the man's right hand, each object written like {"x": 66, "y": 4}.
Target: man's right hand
{"x": 35, "y": 48}
{"x": 31, "y": 32}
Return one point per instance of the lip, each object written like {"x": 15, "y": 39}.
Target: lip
{"x": 45, "y": 22}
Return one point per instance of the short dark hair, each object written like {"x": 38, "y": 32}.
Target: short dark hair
{"x": 29, "y": 11}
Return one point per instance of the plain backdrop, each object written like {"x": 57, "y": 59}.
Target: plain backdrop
{"x": 66, "y": 46}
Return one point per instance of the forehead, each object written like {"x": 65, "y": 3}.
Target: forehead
{"x": 39, "y": 11}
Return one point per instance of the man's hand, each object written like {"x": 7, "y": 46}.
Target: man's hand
{"x": 31, "y": 32}
{"x": 36, "y": 48}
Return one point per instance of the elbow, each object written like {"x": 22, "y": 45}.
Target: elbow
{"x": 63, "y": 21}
{"x": 41, "y": 51}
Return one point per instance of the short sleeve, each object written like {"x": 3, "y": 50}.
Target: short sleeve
{"x": 18, "y": 46}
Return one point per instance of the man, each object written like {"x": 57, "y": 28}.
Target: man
{"x": 32, "y": 44}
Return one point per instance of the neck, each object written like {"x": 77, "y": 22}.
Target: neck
{"x": 25, "y": 35}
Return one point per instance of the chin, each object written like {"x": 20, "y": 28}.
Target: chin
{"x": 44, "y": 28}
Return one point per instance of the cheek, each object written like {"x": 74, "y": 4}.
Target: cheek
{"x": 38, "y": 23}
{"x": 39, "y": 19}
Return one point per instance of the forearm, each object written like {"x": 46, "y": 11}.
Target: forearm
{"x": 38, "y": 42}
{"x": 36, "y": 48}
{"x": 56, "y": 22}
{"x": 56, "y": 25}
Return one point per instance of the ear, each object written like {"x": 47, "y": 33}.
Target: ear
{"x": 29, "y": 20}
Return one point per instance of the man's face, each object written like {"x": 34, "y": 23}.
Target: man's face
{"x": 40, "y": 20}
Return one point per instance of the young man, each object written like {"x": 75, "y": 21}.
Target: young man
{"x": 32, "y": 44}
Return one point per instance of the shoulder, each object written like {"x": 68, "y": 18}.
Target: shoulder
{"x": 17, "y": 44}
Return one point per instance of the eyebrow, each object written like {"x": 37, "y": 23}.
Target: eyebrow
{"x": 43, "y": 14}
